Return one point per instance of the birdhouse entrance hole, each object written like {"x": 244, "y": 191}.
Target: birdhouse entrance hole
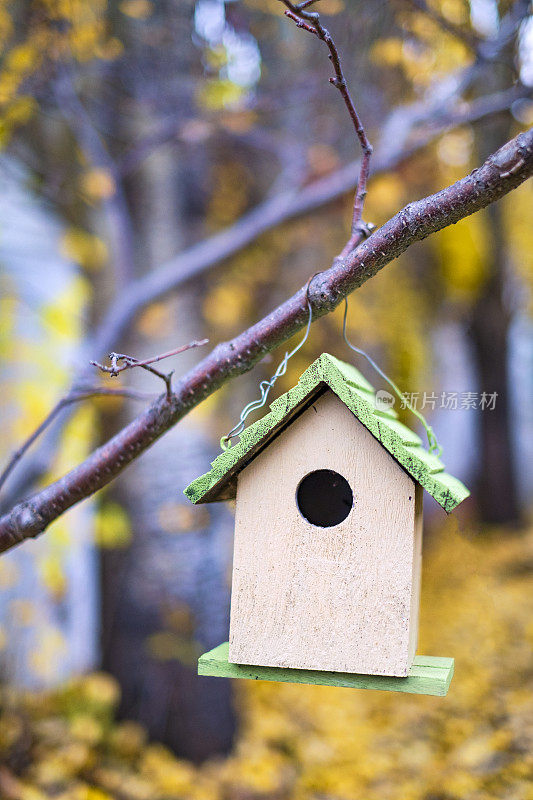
{"x": 324, "y": 498}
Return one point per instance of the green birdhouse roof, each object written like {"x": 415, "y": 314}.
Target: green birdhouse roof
{"x": 357, "y": 394}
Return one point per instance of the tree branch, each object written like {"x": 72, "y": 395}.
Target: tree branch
{"x": 74, "y": 396}
{"x": 310, "y": 21}
{"x": 407, "y": 130}
{"x": 510, "y": 166}
{"x": 79, "y": 392}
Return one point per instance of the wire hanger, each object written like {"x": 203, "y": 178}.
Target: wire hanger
{"x": 266, "y": 386}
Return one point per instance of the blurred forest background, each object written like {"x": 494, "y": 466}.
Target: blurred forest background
{"x": 170, "y": 171}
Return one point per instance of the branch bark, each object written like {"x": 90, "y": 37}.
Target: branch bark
{"x": 510, "y": 166}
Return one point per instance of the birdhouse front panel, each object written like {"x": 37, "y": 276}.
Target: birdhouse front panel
{"x": 326, "y": 567}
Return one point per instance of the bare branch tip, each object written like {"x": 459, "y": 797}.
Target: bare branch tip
{"x": 309, "y": 20}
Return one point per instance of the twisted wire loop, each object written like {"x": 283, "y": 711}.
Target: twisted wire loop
{"x": 266, "y": 386}
{"x": 434, "y": 446}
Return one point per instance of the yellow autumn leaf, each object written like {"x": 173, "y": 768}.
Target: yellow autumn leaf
{"x": 387, "y": 51}
{"x": 204, "y": 412}
{"x": 8, "y": 306}
{"x": 44, "y": 661}
{"x": 304, "y": 742}
{"x": 27, "y": 792}
{"x": 168, "y": 646}
{"x": 455, "y": 148}
{"x": 33, "y": 401}
{"x": 60, "y": 533}
{"x": 100, "y": 689}
{"x": 137, "y": 9}
{"x": 60, "y": 322}
{"x": 84, "y": 248}
{"x": 157, "y": 320}
{"x": 9, "y": 83}
{"x": 53, "y": 576}
{"x": 180, "y": 618}
{"x": 128, "y": 738}
{"x": 98, "y": 184}
{"x": 226, "y": 304}
{"x": 172, "y": 777}
{"x": 6, "y": 27}
{"x": 20, "y": 110}
{"x": 111, "y": 526}
{"x": 50, "y": 771}
{"x": 84, "y": 39}
{"x": 6, "y": 131}
{"x": 462, "y": 251}
{"x": 62, "y": 317}
{"x": 45, "y": 369}
{"x": 77, "y": 436}
{"x": 216, "y": 57}
{"x": 218, "y": 94}
{"x": 384, "y": 199}
{"x": 92, "y": 793}
{"x": 332, "y": 7}
{"x": 86, "y": 728}
{"x": 455, "y": 10}
{"x": 22, "y": 58}
{"x": 110, "y": 50}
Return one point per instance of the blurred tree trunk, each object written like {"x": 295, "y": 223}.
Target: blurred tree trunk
{"x": 166, "y": 597}
{"x": 48, "y": 597}
{"x": 489, "y": 332}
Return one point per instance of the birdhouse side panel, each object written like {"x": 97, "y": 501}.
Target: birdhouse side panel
{"x": 337, "y": 598}
{"x": 417, "y": 571}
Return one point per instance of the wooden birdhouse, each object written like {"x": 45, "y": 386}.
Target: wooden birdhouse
{"x": 328, "y": 537}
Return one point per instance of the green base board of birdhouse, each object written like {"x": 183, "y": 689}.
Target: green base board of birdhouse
{"x": 428, "y": 675}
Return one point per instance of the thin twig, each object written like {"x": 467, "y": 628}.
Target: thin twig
{"x": 75, "y": 396}
{"x": 121, "y": 362}
{"x": 310, "y": 21}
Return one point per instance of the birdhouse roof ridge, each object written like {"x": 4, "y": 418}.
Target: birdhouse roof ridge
{"x": 359, "y": 396}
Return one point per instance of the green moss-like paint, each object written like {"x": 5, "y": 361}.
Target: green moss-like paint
{"x": 358, "y": 395}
